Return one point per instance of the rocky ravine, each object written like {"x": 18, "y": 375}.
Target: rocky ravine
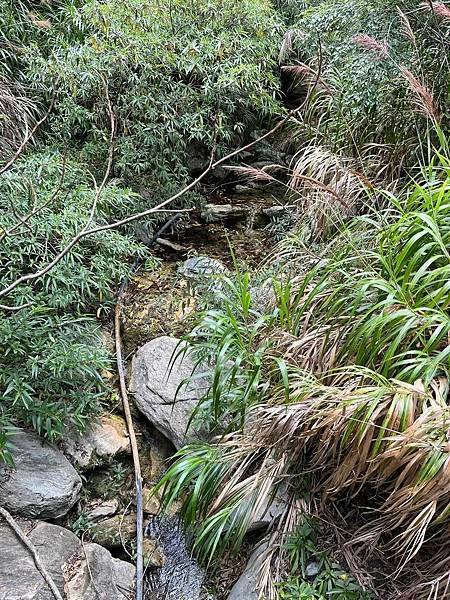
{"x": 84, "y": 484}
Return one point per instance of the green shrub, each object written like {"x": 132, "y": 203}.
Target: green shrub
{"x": 181, "y": 77}
{"x": 52, "y": 356}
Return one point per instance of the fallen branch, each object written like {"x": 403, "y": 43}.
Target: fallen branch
{"x": 37, "y": 560}
{"x": 86, "y": 231}
{"x": 134, "y": 451}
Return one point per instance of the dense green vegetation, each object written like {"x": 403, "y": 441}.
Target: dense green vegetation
{"x": 337, "y": 384}
{"x": 158, "y": 86}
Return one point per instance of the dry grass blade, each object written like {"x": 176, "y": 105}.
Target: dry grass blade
{"x": 254, "y": 174}
{"x": 323, "y": 178}
{"x": 407, "y": 27}
{"x": 423, "y": 98}
{"x": 438, "y": 8}
{"x": 369, "y": 43}
{"x": 287, "y": 44}
{"x": 16, "y": 113}
{"x": 303, "y": 72}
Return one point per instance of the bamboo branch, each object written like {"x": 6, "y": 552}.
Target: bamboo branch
{"x": 29, "y": 135}
{"x": 37, "y": 560}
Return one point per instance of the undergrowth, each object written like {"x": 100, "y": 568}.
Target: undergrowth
{"x": 352, "y": 386}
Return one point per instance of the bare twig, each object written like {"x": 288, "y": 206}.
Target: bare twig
{"x": 135, "y": 454}
{"x": 37, "y": 560}
{"x": 29, "y": 135}
{"x": 15, "y": 308}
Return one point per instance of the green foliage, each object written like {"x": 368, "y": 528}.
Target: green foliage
{"x": 359, "y": 392}
{"x": 52, "y": 355}
{"x": 368, "y": 101}
{"x": 182, "y": 76}
{"x": 233, "y": 336}
{"x": 389, "y": 302}
{"x": 331, "y": 582}
{"x": 197, "y": 476}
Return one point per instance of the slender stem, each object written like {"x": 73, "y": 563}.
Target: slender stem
{"x": 135, "y": 454}
{"x": 37, "y": 560}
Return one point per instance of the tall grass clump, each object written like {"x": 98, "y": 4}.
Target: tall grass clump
{"x": 361, "y": 402}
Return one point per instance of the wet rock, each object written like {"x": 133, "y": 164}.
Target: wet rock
{"x": 107, "y": 438}
{"x": 180, "y": 578}
{"x": 43, "y": 484}
{"x": 158, "y": 381}
{"x": 272, "y": 509}
{"x": 201, "y": 266}
{"x": 215, "y": 213}
{"x": 246, "y": 586}
{"x": 101, "y": 509}
{"x": 153, "y": 556}
{"x": 120, "y": 531}
{"x": 64, "y": 558}
{"x": 114, "y": 531}
{"x": 152, "y": 502}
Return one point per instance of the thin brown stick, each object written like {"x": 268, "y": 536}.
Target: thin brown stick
{"x": 135, "y": 454}
{"x": 37, "y": 560}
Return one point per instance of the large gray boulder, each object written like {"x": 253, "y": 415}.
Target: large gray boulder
{"x": 67, "y": 563}
{"x": 246, "y": 587}
{"x": 158, "y": 381}
{"x": 43, "y": 483}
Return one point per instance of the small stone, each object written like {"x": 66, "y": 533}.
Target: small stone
{"x": 103, "y": 441}
{"x": 152, "y": 501}
{"x": 153, "y": 556}
{"x": 201, "y": 266}
{"x": 101, "y": 509}
{"x": 214, "y": 213}
{"x": 312, "y": 569}
{"x": 120, "y": 531}
{"x": 114, "y": 531}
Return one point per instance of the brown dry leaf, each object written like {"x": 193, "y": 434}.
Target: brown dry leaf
{"x": 41, "y": 23}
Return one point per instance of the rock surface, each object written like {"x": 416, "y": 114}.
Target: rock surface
{"x": 64, "y": 558}
{"x": 271, "y": 510}
{"x": 180, "y": 578}
{"x": 245, "y": 587}
{"x": 104, "y": 440}
{"x": 201, "y": 266}
{"x": 160, "y": 391}
{"x": 101, "y": 509}
{"x": 43, "y": 484}
{"x": 120, "y": 530}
